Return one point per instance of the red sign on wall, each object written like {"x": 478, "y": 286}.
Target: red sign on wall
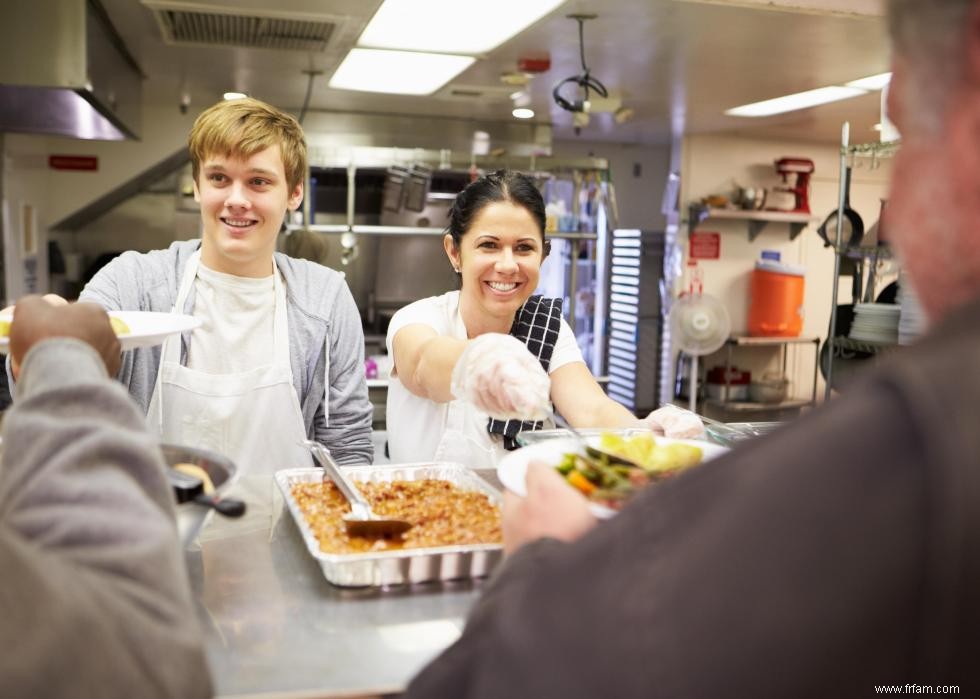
{"x": 705, "y": 246}
{"x": 73, "y": 162}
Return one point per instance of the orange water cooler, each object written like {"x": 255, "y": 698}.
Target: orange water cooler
{"x": 776, "y": 299}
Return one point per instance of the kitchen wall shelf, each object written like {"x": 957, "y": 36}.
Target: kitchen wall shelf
{"x": 756, "y": 220}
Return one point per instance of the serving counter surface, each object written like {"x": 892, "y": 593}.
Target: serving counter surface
{"x": 276, "y": 627}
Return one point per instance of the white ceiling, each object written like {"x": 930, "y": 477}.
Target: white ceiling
{"x": 680, "y": 62}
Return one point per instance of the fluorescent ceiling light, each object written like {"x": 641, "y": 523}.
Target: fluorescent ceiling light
{"x": 522, "y": 100}
{"x": 801, "y": 100}
{"x": 235, "y": 95}
{"x": 523, "y": 113}
{"x": 871, "y": 83}
{"x": 397, "y": 72}
{"x": 451, "y": 26}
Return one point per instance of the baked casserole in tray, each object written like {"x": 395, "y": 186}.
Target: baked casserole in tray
{"x": 455, "y": 513}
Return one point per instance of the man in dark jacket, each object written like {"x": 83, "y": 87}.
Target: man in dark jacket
{"x": 94, "y": 598}
{"x": 838, "y": 555}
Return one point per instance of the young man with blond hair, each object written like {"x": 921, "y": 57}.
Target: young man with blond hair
{"x": 279, "y": 355}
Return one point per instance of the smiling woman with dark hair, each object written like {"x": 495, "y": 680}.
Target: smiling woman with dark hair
{"x": 475, "y": 366}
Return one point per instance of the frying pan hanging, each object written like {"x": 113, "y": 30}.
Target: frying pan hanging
{"x": 852, "y": 229}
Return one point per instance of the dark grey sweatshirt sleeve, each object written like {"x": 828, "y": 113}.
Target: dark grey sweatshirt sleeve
{"x": 94, "y": 594}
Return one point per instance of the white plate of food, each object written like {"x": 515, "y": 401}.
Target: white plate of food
{"x": 134, "y": 328}
{"x": 606, "y": 493}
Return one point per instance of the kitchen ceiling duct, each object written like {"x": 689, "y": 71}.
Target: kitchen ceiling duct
{"x": 65, "y": 71}
{"x": 213, "y": 27}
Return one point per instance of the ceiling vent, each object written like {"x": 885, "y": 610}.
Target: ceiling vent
{"x": 494, "y": 93}
{"x": 205, "y": 28}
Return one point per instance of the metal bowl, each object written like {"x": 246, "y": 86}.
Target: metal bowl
{"x": 191, "y": 516}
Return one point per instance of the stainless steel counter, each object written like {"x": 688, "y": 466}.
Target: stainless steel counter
{"x": 276, "y": 627}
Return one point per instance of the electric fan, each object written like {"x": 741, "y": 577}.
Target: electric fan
{"x": 700, "y": 325}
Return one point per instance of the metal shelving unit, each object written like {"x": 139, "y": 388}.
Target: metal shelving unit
{"x": 749, "y": 407}
{"x": 852, "y": 345}
{"x": 782, "y": 342}
{"x": 848, "y": 153}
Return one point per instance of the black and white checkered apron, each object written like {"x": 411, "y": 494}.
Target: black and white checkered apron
{"x": 536, "y": 324}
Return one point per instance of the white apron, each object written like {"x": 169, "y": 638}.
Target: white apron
{"x": 253, "y": 417}
{"x": 465, "y": 439}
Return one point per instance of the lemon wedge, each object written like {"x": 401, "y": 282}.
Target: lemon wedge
{"x": 119, "y": 326}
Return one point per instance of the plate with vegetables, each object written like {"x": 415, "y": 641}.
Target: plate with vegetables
{"x": 604, "y": 476}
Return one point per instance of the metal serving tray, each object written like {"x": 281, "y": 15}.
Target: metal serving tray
{"x": 527, "y": 438}
{"x": 731, "y": 433}
{"x": 405, "y": 566}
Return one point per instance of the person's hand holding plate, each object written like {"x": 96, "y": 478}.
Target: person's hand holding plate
{"x": 550, "y": 509}
{"x": 36, "y": 319}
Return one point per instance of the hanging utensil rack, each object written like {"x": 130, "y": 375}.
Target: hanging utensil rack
{"x": 849, "y": 153}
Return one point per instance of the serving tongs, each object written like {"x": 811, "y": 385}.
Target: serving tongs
{"x": 188, "y": 488}
{"x": 361, "y": 521}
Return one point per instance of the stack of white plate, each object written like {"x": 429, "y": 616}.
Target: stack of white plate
{"x": 875, "y": 322}
{"x": 912, "y": 320}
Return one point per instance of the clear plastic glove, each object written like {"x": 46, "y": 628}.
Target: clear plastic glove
{"x": 498, "y": 375}
{"x": 674, "y": 422}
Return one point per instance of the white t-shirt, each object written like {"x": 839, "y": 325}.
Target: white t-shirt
{"x": 415, "y": 425}
{"x": 238, "y": 316}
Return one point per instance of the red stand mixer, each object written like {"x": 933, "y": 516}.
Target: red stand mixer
{"x": 802, "y": 168}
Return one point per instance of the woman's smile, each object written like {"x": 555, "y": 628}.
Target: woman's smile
{"x": 503, "y": 288}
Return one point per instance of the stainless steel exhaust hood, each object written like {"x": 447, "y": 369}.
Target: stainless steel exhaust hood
{"x": 65, "y": 71}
